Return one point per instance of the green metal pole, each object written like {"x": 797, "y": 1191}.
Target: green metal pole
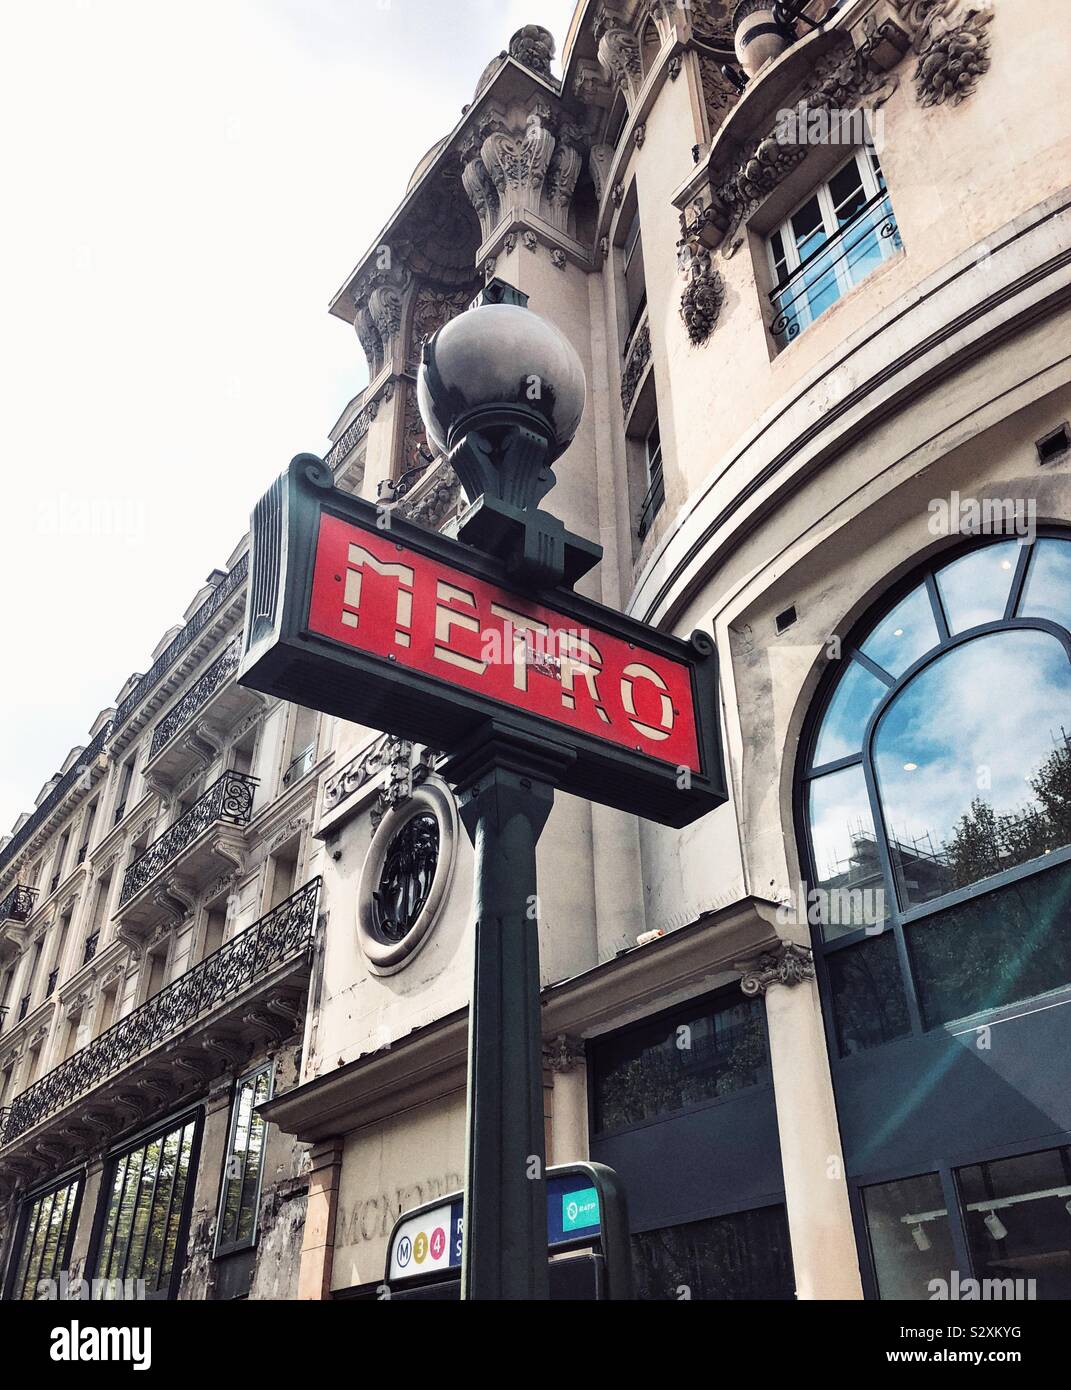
{"x": 505, "y": 798}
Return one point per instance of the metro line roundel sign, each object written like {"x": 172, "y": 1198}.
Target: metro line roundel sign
{"x": 361, "y": 614}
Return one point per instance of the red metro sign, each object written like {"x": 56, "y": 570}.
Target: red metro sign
{"x": 387, "y": 600}
{"x": 413, "y": 633}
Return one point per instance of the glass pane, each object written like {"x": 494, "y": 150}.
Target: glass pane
{"x": 855, "y": 699}
{"x": 42, "y": 1221}
{"x": 904, "y": 635}
{"x": 846, "y": 190}
{"x": 1048, "y": 585}
{"x": 742, "y": 1256}
{"x": 154, "y": 1245}
{"x": 171, "y": 1239}
{"x": 704, "y": 1051}
{"x": 108, "y": 1239}
{"x": 973, "y": 765}
{"x": 140, "y": 1228}
{"x": 1018, "y": 1221}
{"x": 126, "y": 1215}
{"x": 910, "y": 1239}
{"x": 867, "y": 989}
{"x": 974, "y": 589}
{"x": 997, "y": 949}
{"x": 850, "y": 888}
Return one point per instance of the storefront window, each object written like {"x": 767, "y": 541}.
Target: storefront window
{"x": 148, "y": 1200}
{"x": 910, "y": 1237}
{"x": 240, "y": 1194}
{"x": 1018, "y": 1219}
{"x": 47, "y": 1229}
{"x": 742, "y": 1256}
{"x": 706, "y": 1050}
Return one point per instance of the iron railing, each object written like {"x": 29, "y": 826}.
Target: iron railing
{"x": 18, "y": 904}
{"x": 55, "y": 796}
{"x": 89, "y": 950}
{"x": 300, "y": 764}
{"x": 53, "y": 979}
{"x": 198, "y": 695}
{"x": 152, "y": 677}
{"x": 350, "y": 438}
{"x": 652, "y": 503}
{"x": 229, "y": 799}
{"x": 817, "y": 276}
{"x": 283, "y": 934}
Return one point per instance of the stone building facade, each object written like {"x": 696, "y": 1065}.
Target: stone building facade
{"x": 816, "y": 266}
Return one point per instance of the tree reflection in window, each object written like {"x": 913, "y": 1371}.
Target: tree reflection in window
{"x": 745, "y": 1255}
{"x": 145, "y": 1212}
{"x": 705, "y": 1050}
{"x": 47, "y": 1229}
{"x": 240, "y": 1193}
{"x": 940, "y": 770}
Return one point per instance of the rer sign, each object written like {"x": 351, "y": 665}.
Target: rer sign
{"x": 413, "y": 633}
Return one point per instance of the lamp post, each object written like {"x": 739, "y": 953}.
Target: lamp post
{"x": 501, "y": 392}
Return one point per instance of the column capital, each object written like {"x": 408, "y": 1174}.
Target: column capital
{"x": 787, "y": 963}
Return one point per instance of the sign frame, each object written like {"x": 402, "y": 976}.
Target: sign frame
{"x": 283, "y": 657}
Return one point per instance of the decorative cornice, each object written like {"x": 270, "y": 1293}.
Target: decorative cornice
{"x": 787, "y": 964}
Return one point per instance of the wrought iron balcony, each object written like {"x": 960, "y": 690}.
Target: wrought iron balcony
{"x": 24, "y": 1007}
{"x": 53, "y": 980}
{"x": 90, "y": 948}
{"x": 281, "y": 938}
{"x": 229, "y": 801}
{"x": 148, "y": 682}
{"x": 652, "y": 504}
{"x": 18, "y": 905}
{"x": 213, "y": 701}
{"x": 842, "y": 261}
{"x": 300, "y": 764}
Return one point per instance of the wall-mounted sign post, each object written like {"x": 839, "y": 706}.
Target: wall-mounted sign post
{"x": 478, "y": 646}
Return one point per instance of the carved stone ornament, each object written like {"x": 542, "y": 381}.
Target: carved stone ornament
{"x": 435, "y": 503}
{"x": 788, "y": 964}
{"x": 533, "y": 47}
{"x": 674, "y": 66}
{"x": 619, "y": 54}
{"x": 638, "y": 357}
{"x": 508, "y": 171}
{"x": 563, "y": 1053}
{"x": 703, "y": 296}
{"x": 952, "y": 58}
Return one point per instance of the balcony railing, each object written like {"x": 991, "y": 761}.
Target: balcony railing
{"x": 281, "y": 936}
{"x": 55, "y": 796}
{"x": 53, "y": 979}
{"x": 90, "y": 948}
{"x": 837, "y": 265}
{"x": 174, "y": 649}
{"x": 18, "y": 904}
{"x": 300, "y": 764}
{"x": 198, "y": 695}
{"x": 652, "y": 503}
{"x": 24, "y": 1007}
{"x": 230, "y": 799}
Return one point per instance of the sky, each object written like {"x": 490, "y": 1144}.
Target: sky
{"x": 185, "y": 188}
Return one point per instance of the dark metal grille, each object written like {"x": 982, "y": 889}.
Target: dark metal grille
{"x": 18, "y": 904}
{"x": 230, "y": 799}
{"x": 24, "y": 1007}
{"x": 219, "y": 596}
{"x": 280, "y": 936}
{"x": 406, "y": 878}
{"x": 90, "y": 947}
{"x": 353, "y": 436}
{"x": 53, "y": 977}
{"x": 198, "y": 695}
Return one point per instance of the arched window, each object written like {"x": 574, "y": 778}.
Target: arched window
{"x": 935, "y": 798}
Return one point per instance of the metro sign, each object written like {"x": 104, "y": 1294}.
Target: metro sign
{"x": 413, "y": 633}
